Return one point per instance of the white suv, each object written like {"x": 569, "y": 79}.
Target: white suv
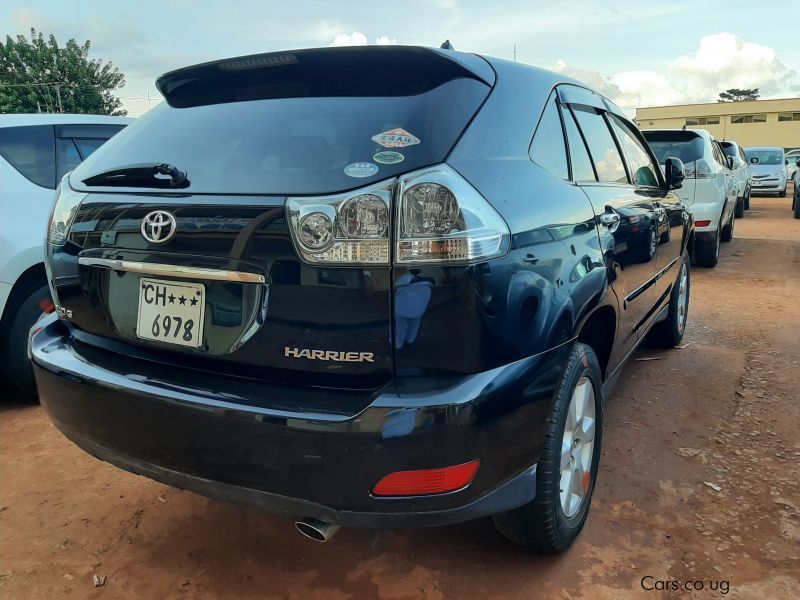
{"x": 709, "y": 190}
{"x": 35, "y": 152}
{"x": 740, "y": 168}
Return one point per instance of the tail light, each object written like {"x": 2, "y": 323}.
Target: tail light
{"x": 65, "y": 206}
{"x": 443, "y": 219}
{"x": 350, "y": 229}
{"x": 439, "y": 218}
{"x": 698, "y": 169}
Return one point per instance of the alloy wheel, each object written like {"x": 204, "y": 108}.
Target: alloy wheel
{"x": 683, "y": 297}
{"x": 577, "y": 448}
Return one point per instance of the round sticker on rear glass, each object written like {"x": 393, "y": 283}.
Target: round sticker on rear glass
{"x": 361, "y": 169}
{"x": 388, "y": 158}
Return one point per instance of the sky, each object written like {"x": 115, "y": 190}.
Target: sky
{"x": 638, "y": 53}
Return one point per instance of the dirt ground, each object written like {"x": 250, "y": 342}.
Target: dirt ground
{"x": 698, "y": 483}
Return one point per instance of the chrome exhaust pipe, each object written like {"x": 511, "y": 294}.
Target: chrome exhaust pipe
{"x": 316, "y": 530}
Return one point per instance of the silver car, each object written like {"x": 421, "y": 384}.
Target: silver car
{"x": 768, "y": 168}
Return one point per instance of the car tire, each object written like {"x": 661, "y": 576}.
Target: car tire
{"x": 706, "y": 252}
{"x": 747, "y": 200}
{"x": 727, "y": 231}
{"x": 669, "y": 332}
{"x": 543, "y": 525}
{"x": 14, "y": 354}
{"x": 739, "y": 210}
{"x": 782, "y": 194}
{"x": 796, "y": 206}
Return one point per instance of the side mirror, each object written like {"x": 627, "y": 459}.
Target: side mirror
{"x": 729, "y": 160}
{"x": 797, "y": 164}
{"x": 786, "y": 161}
{"x": 754, "y": 160}
{"x": 674, "y": 173}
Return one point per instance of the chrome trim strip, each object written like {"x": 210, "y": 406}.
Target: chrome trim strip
{"x": 178, "y": 271}
{"x": 650, "y": 282}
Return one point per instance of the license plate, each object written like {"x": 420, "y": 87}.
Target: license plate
{"x": 171, "y": 312}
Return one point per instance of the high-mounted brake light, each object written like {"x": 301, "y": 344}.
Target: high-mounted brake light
{"x": 427, "y": 482}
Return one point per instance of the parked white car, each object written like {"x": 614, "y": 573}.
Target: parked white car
{"x": 768, "y": 166}
{"x": 740, "y": 168}
{"x": 35, "y": 152}
{"x": 792, "y": 157}
{"x": 709, "y": 190}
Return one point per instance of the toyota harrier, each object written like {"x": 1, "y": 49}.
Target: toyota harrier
{"x": 369, "y": 287}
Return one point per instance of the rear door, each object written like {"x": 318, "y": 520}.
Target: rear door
{"x": 206, "y": 198}
{"x": 627, "y": 214}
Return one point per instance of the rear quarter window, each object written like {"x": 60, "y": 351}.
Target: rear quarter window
{"x": 548, "y": 149}
{"x": 31, "y": 151}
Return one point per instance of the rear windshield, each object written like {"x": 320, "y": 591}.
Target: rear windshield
{"x": 772, "y": 156}
{"x": 684, "y": 145}
{"x": 301, "y": 145}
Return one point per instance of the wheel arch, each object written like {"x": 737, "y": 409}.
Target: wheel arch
{"x": 33, "y": 277}
{"x": 599, "y": 332}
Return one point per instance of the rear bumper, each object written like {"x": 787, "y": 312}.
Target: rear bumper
{"x": 707, "y": 211}
{"x": 223, "y": 445}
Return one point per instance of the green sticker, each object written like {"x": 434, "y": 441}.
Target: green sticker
{"x": 388, "y": 157}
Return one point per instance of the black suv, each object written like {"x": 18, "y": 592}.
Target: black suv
{"x": 368, "y": 287}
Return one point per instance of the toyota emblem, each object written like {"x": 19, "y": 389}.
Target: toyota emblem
{"x": 159, "y": 226}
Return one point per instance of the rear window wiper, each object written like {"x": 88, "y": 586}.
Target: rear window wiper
{"x": 156, "y": 175}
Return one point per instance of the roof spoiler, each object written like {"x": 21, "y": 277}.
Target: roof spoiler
{"x": 319, "y": 72}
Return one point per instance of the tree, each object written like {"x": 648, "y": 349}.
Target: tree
{"x": 37, "y": 75}
{"x": 737, "y": 95}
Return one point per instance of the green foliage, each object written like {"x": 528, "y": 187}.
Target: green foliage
{"x": 737, "y": 95}
{"x": 35, "y": 72}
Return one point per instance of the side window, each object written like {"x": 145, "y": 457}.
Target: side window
{"x": 88, "y": 145}
{"x": 31, "y": 151}
{"x": 548, "y": 150}
{"x": 742, "y": 156}
{"x": 720, "y": 155}
{"x": 603, "y": 149}
{"x": 582, "y": 169}
{"x": 68, "y": 156}
{"x": 641, "y": 167}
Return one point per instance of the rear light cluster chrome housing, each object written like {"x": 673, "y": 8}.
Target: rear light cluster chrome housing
{"x": 62, "y": 214}
{"x": 432, "y": 215}
{"x": 698, "y": 169}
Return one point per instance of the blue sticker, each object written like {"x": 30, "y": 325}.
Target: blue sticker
{"x": 388, "y": 157}
{"x": 361, "y": 169}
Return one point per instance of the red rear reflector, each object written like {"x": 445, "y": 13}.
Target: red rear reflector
{"x": 47, "y": 305}
{"x": 427, "y": 481}
{"x": 702, "y": 223}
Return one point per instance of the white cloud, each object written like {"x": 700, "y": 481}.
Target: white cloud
{"x": 725, "y": 61}
{"x": 722, "y": 61}
{"x": 359, "y": 39}
{"x": 350, "y": 39}
{"x": 386, "y": 41}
